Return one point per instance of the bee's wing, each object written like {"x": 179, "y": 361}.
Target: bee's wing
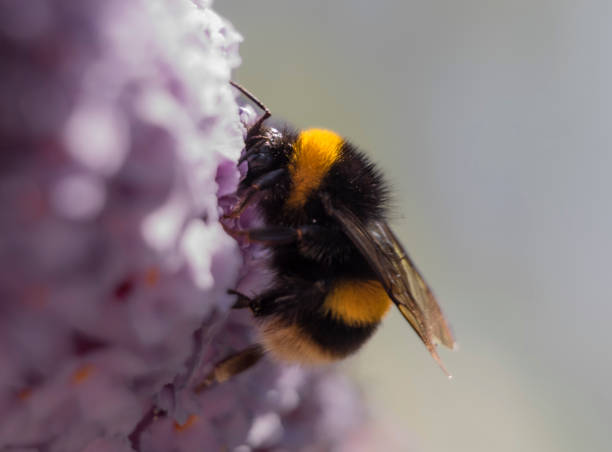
{"x": 399, "y": 277}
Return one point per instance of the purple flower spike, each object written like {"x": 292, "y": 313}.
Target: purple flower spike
{"x": 120, "y": 134}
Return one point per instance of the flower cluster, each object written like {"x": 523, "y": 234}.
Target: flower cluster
{"x": 119, "y": 135}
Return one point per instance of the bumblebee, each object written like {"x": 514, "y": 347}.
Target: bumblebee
{"x": 338, "y": 266}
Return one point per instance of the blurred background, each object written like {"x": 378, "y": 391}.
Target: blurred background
{"x": 492, "y": 121}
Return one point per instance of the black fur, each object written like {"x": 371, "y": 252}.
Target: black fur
{"x": 306, "y": 271}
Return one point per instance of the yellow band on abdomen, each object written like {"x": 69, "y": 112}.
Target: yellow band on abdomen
{"x": 357, "y": 303}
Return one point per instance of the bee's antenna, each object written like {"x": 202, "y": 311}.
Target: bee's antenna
{"x": 260, "y": 104}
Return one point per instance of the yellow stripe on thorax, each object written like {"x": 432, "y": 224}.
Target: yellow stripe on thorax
{"x": 357, "y": 303}
{"x": 315, "y": 152}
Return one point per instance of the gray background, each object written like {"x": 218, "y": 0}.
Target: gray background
{"x": 492, "y": 121}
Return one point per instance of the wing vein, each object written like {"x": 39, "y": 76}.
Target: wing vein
{"x": 399, "y": 276}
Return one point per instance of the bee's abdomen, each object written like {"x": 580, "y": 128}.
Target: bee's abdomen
{"x": 357, "y": 302}
{"x": 346, "y": 319}
{"x": 312, "y": 341}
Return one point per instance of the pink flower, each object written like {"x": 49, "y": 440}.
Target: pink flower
{"x": 120, "y": 134}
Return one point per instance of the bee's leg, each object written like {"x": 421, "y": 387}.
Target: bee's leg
{"x": 273, "y": 235}
{"x": 263, "y": 182}
{"x": 278, "y": 235}
{"x": 242, "y": 302}
{"x": 232, "y": 365}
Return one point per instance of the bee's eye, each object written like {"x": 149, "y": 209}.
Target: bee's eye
{"x": 261, "y": 159}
